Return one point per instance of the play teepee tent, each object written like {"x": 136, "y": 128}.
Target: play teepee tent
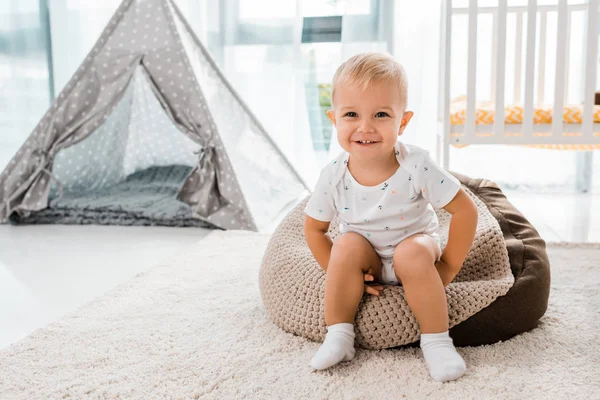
{"x": 149, "y": 132}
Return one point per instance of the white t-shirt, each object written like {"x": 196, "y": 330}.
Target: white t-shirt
{"x": 387, "y": 213}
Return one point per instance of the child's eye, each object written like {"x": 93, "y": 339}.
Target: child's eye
{"x": 350, "y": 114}
{"x": 381, "y": 114}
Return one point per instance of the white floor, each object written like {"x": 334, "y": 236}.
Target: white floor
{"x": 49, "y": 270}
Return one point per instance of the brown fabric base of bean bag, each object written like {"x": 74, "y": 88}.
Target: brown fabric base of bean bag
{"x": 526, "y": 302}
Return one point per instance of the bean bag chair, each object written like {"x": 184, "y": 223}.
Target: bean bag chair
{"x": 501, "y": 290}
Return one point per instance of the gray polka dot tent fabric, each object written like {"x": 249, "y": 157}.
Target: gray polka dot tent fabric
{"x": 149, "y": 131}
{"x": 292, "y": 284}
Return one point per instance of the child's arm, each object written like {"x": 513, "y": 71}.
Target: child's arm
{"x": 460, "y": 237}
{"x": 319, "y": 243}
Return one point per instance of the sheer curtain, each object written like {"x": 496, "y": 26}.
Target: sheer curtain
{"x": 76, "y": 25}
{"x": 258, "y": 47}
{"x": 24, "y": 78}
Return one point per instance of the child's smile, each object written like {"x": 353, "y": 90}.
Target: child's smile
{"x": 366, "y": 143}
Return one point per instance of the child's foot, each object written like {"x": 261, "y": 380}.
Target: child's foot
{"x": 338, "y": 346}
{"x": 441, "y": 357}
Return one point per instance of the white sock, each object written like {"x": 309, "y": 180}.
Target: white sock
{"x": 442, "y": 359}
{"x": 338, "y": 346}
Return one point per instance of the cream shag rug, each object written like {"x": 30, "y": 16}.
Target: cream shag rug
{"x": 195, "y": 327}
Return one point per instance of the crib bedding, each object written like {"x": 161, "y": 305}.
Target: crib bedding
{"x": 513, "y": 114}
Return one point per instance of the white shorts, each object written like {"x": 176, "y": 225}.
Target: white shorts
{"x": 388, "y": 276}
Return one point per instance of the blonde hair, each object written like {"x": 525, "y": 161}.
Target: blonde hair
{"x": 365, "y": 68}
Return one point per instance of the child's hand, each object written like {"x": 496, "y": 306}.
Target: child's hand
{"x": 371, "y": 289}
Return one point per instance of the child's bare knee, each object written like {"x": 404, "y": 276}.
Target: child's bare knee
{"x": 350, "y": 240}
{"x": 352, "y": 249}
{"x": 413, "y": 258}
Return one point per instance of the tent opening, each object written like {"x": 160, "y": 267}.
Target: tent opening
{"x": 128, "y": 171}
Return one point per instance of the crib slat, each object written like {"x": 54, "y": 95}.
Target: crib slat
{"x": 447, "y": 57}
{"x": 494, "y": 56}
{"x": 518, "y": 62}
{"x": 567, "y": 52}
{"x": 590, "y": 68}
{"x": 530, "y": 60}
{"x": 559, "y": 82}
{"x": 500, "y": 60}
{"x": 542, "y": 59}
{"x": 471, "y": 71}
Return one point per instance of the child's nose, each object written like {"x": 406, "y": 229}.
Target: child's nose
{"x": 365, "y": 126}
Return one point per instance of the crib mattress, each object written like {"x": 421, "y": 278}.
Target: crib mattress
{"x": 513, "y": 114}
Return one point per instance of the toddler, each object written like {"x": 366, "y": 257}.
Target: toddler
{"x": 383, "y": 192}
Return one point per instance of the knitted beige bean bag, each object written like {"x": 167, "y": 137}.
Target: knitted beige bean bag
{"x": 292, "y": 284}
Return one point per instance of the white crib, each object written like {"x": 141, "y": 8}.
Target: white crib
{"x": 581, "y": 134}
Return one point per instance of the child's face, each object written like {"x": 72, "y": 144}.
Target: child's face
{"x": 374, "y": 114}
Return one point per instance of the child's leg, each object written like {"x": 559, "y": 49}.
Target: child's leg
{"x": 351, "y": 257}
{"x": 414, "y": 265}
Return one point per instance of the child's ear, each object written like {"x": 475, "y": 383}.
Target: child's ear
{"x": 405, "y": 119}
{"x": 331, "y": 116}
